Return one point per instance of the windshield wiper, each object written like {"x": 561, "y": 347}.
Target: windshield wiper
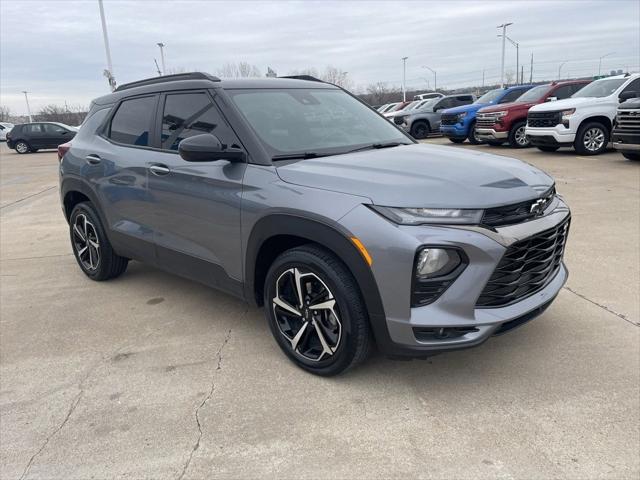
{"x": 375, "y": 146}
{"x": 296, "y": 156}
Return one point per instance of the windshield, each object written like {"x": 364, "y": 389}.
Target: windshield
{"x": 491, "y": 96}
{"x": 428, "y": 104}
{"x": 312, "y": 120}
{"x": 600, "y": 88}
{"x": 535, "y": 94}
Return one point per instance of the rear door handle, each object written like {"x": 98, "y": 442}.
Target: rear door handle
{"x": 93, "y": 159}
{"x": 159, "y": 169}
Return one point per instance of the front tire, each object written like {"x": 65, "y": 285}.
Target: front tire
{"x": 22, "y": 147}
{"x": 315, "y": 311}
{"x": 547, "y": 149}
{"x": 631, "y": 156}
{"x": 592, "y": 139}
{"x": 456, "y": 140}
{"x": 420, "y": 130}
{"x": 518, "y": 137}
{"x": 473, "y": 135}
{"x": 91, "y": 247}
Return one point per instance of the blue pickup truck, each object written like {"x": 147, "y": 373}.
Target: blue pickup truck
{"x": 459, "y": 124}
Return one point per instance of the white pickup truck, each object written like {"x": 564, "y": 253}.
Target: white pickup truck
{"x": 583, "y": 121}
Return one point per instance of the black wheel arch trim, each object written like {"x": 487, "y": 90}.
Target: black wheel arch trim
{"x": 71, "y": 184}
{"x": 333, "y": 238}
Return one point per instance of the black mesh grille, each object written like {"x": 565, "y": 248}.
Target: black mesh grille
{"x": 449, "y": 119}
{"x": 517, "y": 212}
{"x": 526, "y": 267}
{"x": 543, "y": 119}
{"x": 399, "y": 119}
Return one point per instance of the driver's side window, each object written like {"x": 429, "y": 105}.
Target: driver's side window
{"x": 633, "y": 86}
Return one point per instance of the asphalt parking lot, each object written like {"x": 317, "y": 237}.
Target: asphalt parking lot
{"x": 153, "y": 376}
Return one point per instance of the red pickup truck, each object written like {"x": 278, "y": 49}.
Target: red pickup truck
{"x": 506, "y": 122}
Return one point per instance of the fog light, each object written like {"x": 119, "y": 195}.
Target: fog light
{"x": 435, "y": 262}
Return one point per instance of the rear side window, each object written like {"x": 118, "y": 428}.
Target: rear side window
{"x": 131, "y": 123}
{"x": 563, "y": 92}
{"x": 54, "y": 129}
{"x": 189, "y": 114}
{"x": 512, "y": 96}
{"x": 32, "y": 128}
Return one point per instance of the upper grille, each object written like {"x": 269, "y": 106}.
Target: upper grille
{"x": 449, "y": 119}
{"x": 543, "y": 119}
{"x": 628, "y": 121}
{"x": 485, "y": 120}
{"x": 526, "y": 267}
{"x": 517, "y": 212}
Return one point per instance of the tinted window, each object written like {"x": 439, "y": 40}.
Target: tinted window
{"x": 600, "y": 88}
{"x": 130, "y": 124}
{"x": 54, "y": 129}
{"x": 464, "y": 100}
{"x": 446, "y": 103}
{"x": 32, "y": 128}
{"x": 563, "y": 92}
{"x": 512, "y": 96}
{"x": 189, "y": 114}
{"x": 633, "y": 86}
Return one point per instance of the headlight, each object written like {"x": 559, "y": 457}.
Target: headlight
{"x": 421, "y": 216}
{"x": 566, "y": 113}
{"x": 461, "y": 116}
{"x": 500, "y": 114}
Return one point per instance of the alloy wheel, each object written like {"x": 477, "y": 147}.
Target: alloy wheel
{"x": 593, "y": 139}
{"x": 86, "y": 243}
{"x": 22, "y": 147}
{"x": 521, "y": 137}
{"x": 307, "y": 314}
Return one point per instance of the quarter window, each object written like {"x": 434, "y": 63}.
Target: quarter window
{"x": 189, "y": 114}
{"x": 130, "y": 124}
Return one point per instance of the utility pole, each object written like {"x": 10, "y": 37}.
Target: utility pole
{"x": 600, "y": 61}
{"x": 26, "y": 99}
{"x": 517, "y": 45}
{"x": 483, "y": 78}
{"x": 157, "y": 67}
{"x": 164, "y": 68}
{"x": 435, "y": 78}
{"x": 404, "y": 79}
{"x": 531, "y": 70}
{"x": 521, "y": 74}
{"x": 504, "y": 36}
{"x": 109, "y": 71}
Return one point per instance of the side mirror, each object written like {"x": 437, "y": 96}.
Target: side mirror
{"x": 628, "y": 95}
{"x": 551, "y": 99}
{"x": 208, "y": 148}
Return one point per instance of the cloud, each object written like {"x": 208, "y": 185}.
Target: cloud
{"x": 58, "y": 55}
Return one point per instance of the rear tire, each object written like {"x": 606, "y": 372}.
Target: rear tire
{"x": 547, "y": 149}
{"x": 592, "y": 139}
{"x": 324, "y": 341}
{"x": 420, "y": 130}
{"x": 473, "y": 136}
{"x": 91, "y": 247}
{"x": 22, "y": 147}
{"x": 517, "y": 136}
{"x": 457, "y": 140}
{"x": 631, "y": 156}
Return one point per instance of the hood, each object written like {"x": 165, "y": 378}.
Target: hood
{"x": 420, "y": 175}
{"x": 508, "y": 106}
{"x": 568, "y": 103}
{"x": 472, "y": 107}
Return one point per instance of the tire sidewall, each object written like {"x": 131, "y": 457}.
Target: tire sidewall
{"x": 420, "y": 125}
{"x": 512, "y": 136}
{"x": 579, "y": 142}
{"x": 472, "y": 135}
{"x": 27, "y": 149}
{"x": 346, "y": 350}
{"x": 102, "y": 271}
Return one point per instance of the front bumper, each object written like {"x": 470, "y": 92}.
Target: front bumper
{"x": 455, "y": 310}
{"x": 491, "y": 134}
{"x": 628, "y": 142}
{"x": 454, "y": 131}
{"x": 557, "y": 136}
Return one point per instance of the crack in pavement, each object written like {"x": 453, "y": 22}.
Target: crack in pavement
{"x": 604, "y": 307}
{"x": 202, "y": 404}
{"x": 28, "y": 197}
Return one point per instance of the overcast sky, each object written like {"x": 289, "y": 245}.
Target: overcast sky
{"x": 54, "y": 49}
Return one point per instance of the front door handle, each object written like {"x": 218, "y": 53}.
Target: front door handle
{"x": 93, "y": 159}
{"x": 159, "y": 169}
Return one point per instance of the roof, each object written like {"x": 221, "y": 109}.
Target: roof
{"x": 195, "y": 80}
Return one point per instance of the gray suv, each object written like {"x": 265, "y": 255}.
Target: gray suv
{"x": 297, "y": 196}
{"x": 420, "y": 123}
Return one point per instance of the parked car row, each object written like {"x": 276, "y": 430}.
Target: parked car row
{"x": 579, "y": 113}
{"x": 31, "y": 137}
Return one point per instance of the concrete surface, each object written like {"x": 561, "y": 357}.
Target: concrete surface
{"x": 152, "y": 376}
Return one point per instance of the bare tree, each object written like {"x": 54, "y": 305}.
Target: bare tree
{"x": 509, "y": 77}
{"x": 380, "y": 93}
{"x": 5, "y": 114}
{"x": 330, "y": 74}
{"x": 70, "y": 115}
{"x": 239, "y": 70}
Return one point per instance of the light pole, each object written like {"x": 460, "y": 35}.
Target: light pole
{"x": 560, "y": 68}
{"x": 504, "y": 36}
{"x": 517, "y": 45}
{"x": 600, "y": 61}
{"x": 109, "y": 71}
{"x": 26, "y": 99}
{"x": 435, "y": 78}
{"x": 404, "y": 79}
{"x": 164, "y": 68}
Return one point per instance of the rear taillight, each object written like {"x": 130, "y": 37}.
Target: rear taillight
{"x": 8, "y": 136}
{"x": 63, "y": 149}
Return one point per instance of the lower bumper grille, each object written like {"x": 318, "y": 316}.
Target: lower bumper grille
{"x": 526, "y": 267}
{"x": 449, "y": 119}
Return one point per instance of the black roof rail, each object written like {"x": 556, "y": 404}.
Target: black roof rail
{"x": 304, "y": 77}
{"x": 168, "y": 78}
